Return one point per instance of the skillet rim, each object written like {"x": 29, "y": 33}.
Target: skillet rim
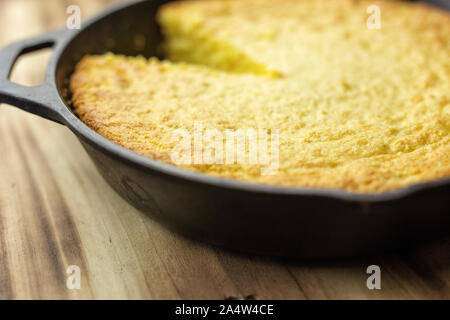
{"x": 123, "y": 154}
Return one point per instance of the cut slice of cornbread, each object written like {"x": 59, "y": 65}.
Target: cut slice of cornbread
{"x": 366, "y": 110}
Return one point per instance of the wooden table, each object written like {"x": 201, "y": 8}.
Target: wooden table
{"x": 56, "y": 211}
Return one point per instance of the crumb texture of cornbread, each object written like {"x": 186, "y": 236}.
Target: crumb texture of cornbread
{"x": 356, "y": 109}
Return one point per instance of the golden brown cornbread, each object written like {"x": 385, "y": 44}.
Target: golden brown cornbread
{"x": 356, "y": 109}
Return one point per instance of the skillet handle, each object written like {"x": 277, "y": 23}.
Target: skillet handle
{"x": 39, "y": 100}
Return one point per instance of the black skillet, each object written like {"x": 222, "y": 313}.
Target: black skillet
{"x": 242, "y": 216}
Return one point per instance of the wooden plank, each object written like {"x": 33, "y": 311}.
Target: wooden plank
{"x": 56, "y": 211}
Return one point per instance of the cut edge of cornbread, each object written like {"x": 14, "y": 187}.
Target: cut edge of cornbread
{"x": 186, "y": 41}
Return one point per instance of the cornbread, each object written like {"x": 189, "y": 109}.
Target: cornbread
{"x": 359, "y": 109}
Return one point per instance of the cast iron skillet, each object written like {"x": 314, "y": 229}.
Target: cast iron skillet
{"x": 247, "y": 217}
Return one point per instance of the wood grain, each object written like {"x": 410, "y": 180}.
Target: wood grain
{"x": 56, "y": 211}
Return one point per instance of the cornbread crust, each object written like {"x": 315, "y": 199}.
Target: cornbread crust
{"x": 357, "y": 109}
